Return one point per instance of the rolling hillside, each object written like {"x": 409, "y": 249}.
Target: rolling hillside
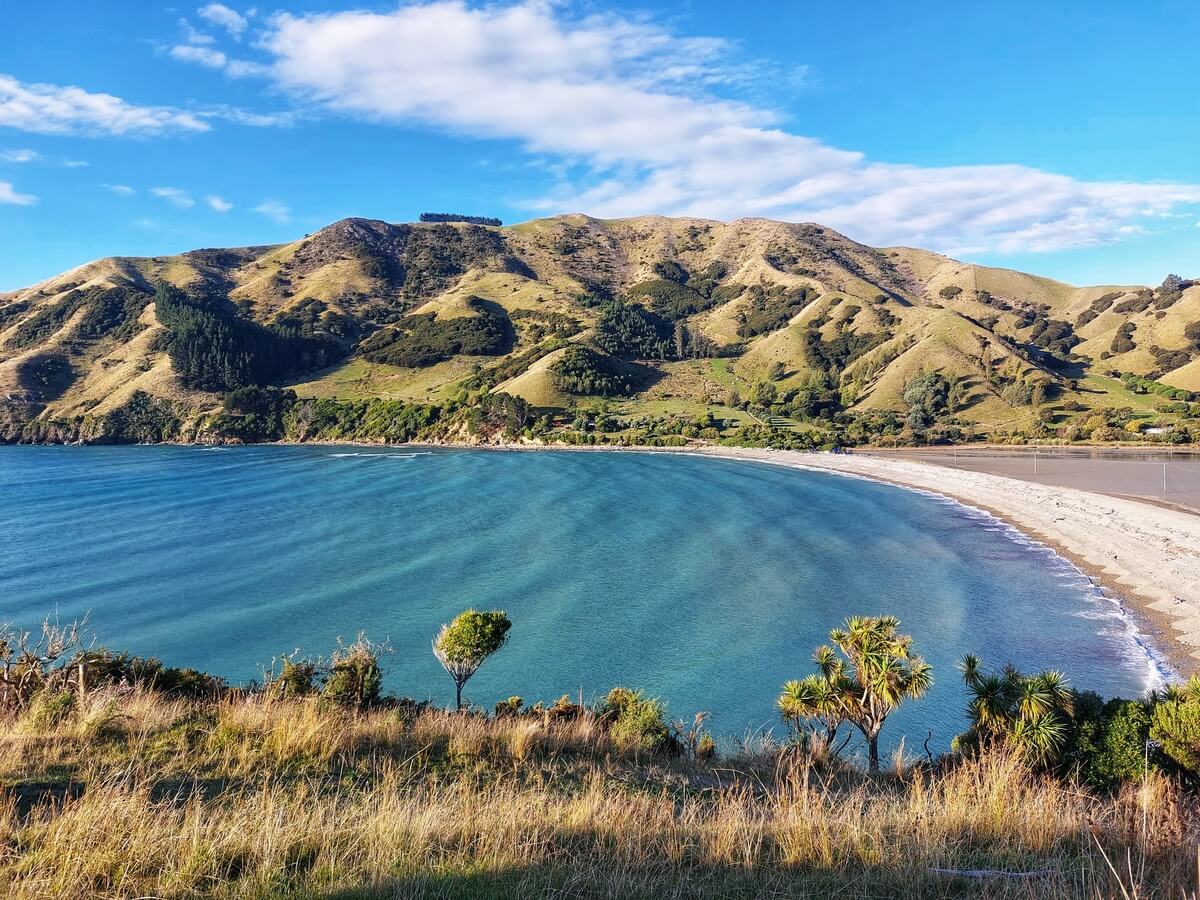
{"x": 791, "y": 326}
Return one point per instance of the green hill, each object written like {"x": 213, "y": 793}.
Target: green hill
{"x": 688, "y": 319}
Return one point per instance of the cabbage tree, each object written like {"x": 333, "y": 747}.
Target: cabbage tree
{"x": 876, "y": 672}
{"x": 1031, "y": 713}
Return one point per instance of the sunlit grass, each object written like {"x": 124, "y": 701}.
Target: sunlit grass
{"x": 136, "y": 796}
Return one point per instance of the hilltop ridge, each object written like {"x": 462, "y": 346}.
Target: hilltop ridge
{"x": 752, "y": 322}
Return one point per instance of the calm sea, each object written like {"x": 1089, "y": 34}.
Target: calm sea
{"x": 705, "y": 582}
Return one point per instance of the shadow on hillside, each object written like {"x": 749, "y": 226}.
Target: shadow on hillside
{"x": 617, "y": 878}
{"x": 31, "y": 795}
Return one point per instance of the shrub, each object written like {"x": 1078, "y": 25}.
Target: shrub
{"x": 508, "y": 708}
{"x": 1122, "y": 341}
{"x": 142, "y": 420}
{"x": 1176, "y": 725}
{"x": 49, "y": 709}
{"x": 1109, "y": 741}
{"x": 298, "y": 677}
{"x": 354, "y": 675}
{"x": 637, "y": 721}
{"x": 773, "y": 308}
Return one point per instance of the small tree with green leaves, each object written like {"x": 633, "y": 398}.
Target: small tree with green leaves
{"x": 637, "y": 721}
{"x": 821, "y": 697}
{"x": 879, "y": 671}
{"x": 463, "y": 645}
{"x": 1031, "y": 713}
{"x": 1176, "y": 723}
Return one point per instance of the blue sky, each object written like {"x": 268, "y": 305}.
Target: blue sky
{"x": 1056, "y": 138}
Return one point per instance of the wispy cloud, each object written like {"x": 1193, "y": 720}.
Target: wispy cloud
{"x": 121, "y": 190}
{"x": 218, "y": 204}
{"x": 58, "y": 110}
{"x": 29, "y": 156}
{"x": 19, "y": 156}
{"x": 281, "y": 119}
{"x": 212, "y": 58}
{"x": 9, "y": 195}
{"x": 192, "y": 36}
{"x": 637, "y": 136}
{"x": 178, "y": 198}
{"x": 275, "y": 211}
{"x": 204, "y": 56}
{"x": 224, "y": 17}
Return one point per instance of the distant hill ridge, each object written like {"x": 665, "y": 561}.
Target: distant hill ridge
{"x": 752, "y": 320}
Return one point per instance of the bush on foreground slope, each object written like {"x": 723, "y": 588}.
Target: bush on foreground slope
{"x": 135, "y": 794}
{"x": 123, "y": 789}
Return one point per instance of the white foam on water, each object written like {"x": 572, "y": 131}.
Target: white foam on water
{"x": 1141, "y": 653}
{"x": 367, "y": 455}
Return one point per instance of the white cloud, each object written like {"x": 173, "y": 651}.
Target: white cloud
{"x": 8, "y": 194}
{"x": 54, "y": 109}
{"x": 221, "y": 15}
{"x": 192, "y": 36}
{"x": 215, "y": 59}
{"x": 275, "y": 211}
{"x": 28, "y": 156}
{"x": 593, "y": 93}
{"x": 121, "y": 190}
{"x": 204, "y": 56}
{"x": 180, "y": 199}
{"x": 19, "y": 156}
{"x": 218, "y": 204}
{"x": 253, "y": 119}
{"x": 241, "y": 68}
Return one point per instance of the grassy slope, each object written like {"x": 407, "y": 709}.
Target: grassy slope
{"x": 358, "y": 379}
{"x": 134, "y": 795}
{"x": 897, "y": 291}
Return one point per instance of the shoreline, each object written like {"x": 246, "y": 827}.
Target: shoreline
{"x": 1143, "y": 557}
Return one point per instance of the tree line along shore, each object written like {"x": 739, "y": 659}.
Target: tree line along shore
{"x": 124, "y": 777}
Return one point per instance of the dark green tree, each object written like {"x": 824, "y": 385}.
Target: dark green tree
{"x": 879, "y": 672}
{"x": 463, "y": 645}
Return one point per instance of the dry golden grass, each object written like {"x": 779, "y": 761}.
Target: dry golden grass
{"x": 137, "y": 796}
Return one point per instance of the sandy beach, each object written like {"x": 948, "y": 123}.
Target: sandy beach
{"x": 1146, "y": 555}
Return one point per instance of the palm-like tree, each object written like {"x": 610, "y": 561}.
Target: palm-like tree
{"x": 821, "y": 696}
{"x": 1189, "y": 690}
{"x": 877, "y": 671}
{"x": 1028, "y": 712}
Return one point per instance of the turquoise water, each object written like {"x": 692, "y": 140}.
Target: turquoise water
{"x": 705, "y": 581}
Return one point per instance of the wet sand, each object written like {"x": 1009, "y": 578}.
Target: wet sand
{"x": 1170, "y": 478}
